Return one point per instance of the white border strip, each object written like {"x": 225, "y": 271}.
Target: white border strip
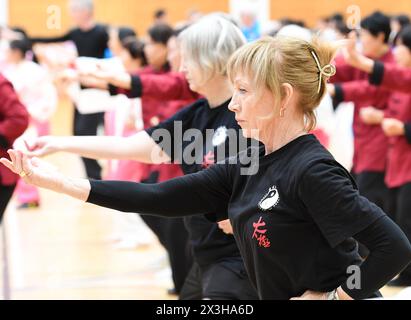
{"x": 4, "y": 12}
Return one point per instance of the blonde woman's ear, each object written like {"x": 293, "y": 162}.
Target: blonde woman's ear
{"x": 288, "y": 91}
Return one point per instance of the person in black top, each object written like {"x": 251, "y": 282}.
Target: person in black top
{"x": 89, "y": 37}
{"x": 218, "y": 271}
{"x": 296, "y": 213}
{"x": 90, "y": 40}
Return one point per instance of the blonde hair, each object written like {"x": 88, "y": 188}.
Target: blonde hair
{"x": 210, "y": 42}
{"x": 274, "y": 61}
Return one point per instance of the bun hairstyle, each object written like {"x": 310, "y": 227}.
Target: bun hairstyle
{"x": 305, "y": 65}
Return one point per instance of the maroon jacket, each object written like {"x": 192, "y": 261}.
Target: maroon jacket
{"x": 171, "y": 87}
{"x": 370, "y": 142}
{"x": 398, "y": 168}
{"x": 398, "y": 79}
{"x": 399, "y": 151}
{"x": 14, "y": 120}
{"x": 391, "y": 76}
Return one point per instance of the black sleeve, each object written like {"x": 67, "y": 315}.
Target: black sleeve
{"x": 377, "y": 74}
{"x": 136, "y": 87}
{"x": 199, "y": 193}
{"x": 407, "y": 129}
{"x": 331, "y": 198}
{"x": 113, "y": 90}
{"x": 338, "y": 96}
{"x": 4, "y": 144}
{"x": 63, "y": 38}
{"x": 169, "y": 133}
{"x": 390, "y": 253}
{"x": 135, "y": 91}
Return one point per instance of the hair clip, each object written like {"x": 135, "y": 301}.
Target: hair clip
{"x": 327, "y": 71}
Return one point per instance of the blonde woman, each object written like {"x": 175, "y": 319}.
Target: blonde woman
{"x": 296, "y": 220}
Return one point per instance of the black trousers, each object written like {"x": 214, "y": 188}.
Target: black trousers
{"x": 173, "y": 236}
{"x": 223, "y": 280}
{"x": 402, "y": 197}
{"x": 5, "y": 195}
{"x": 86, "y": 125}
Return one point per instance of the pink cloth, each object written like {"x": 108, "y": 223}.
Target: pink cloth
{"x": 24, "y": 192}
{"x": 126, "y": 170}
{"x": 322, "y": 136}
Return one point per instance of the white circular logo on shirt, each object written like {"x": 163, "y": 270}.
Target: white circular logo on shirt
{"x": 220, "y": 136}
{"x": 270, "y": 200}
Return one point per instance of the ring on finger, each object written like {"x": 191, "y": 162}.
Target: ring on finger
{"x": 23, "y": 174}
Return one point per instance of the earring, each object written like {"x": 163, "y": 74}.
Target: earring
{"x": 282, "y": 110}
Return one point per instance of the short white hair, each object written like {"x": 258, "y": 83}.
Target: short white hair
{"x": 295, "y": 31}
{"x": 210, "y": 42}
{"x": 82, "y": 4}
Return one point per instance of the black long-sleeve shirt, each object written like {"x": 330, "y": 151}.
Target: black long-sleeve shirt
{"x": 216, "y": 129}
{"x": 91, "y": 43}
{"x": 295, "y": 220}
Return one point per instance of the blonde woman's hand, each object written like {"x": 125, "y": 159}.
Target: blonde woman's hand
{"x": 315, "y": 295}
{"x": 226, "y": 226}
{"x": 311, "y": 295}
{"x": 33, "y": 171}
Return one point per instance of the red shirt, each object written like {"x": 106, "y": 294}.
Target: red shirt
{"x": 14, "y": 120}
{"x": 392, "y": 77}
{"x": 399, "y": 151}
{"x": 397, "y": 79}
{"x": 370, "y": 142}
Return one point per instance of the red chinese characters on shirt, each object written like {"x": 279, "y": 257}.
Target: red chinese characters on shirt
{"x": 208, "y": 160}
{"x": 260, "y": 234}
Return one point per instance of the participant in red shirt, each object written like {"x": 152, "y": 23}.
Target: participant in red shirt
{"x": 370, "y": 143}
{"x": 14, "y": 120}
{"x": 396, "y": 124}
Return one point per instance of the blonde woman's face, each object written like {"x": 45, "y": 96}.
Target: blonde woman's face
{"x": 253, "y": 107}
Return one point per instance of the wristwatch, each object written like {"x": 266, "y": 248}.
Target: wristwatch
{"x": 332, "y": 295}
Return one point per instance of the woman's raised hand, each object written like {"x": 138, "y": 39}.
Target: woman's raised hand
{"x": 42, "y": 146}
{"x": 32, "y": 170}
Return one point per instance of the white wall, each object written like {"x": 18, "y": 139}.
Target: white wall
{"x": 4, "y": 11}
